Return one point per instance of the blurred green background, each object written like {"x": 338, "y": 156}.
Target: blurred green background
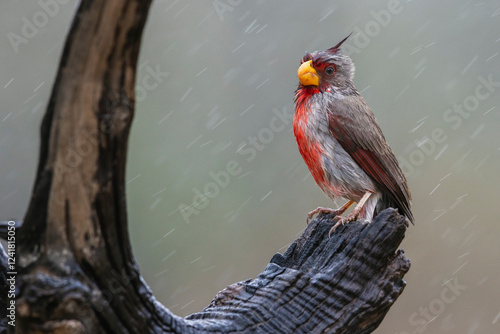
{"x": 213, "y": 78}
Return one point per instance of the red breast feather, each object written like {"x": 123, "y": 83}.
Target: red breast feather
{"x": 310, "y": 151}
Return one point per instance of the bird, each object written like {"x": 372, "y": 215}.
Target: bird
{"x": 342, "y": 143}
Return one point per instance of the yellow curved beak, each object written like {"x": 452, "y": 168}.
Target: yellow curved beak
{"x": 307, "y": 74}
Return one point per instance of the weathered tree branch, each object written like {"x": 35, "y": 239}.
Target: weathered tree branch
{"x": 76, "y": 271}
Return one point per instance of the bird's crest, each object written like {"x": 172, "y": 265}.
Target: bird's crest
{"x": 336, "y": 48}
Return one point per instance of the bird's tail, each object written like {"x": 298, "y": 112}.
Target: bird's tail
{"x": 387, "y": 201}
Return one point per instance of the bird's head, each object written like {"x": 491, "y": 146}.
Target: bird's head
{"x": 326, "y": 70}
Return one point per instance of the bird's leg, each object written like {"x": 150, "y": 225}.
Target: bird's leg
{"x": 353, "y": 215}
{"x": 321, "y": 210}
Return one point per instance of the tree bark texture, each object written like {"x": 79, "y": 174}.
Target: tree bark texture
{"x": 76, "y": 270}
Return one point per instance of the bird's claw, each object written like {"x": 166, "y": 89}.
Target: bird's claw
{"x": 342, "y": 220}
{"x": 320, "y": 210}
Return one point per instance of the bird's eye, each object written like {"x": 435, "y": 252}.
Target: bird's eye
{"x": 330, "y": 70}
